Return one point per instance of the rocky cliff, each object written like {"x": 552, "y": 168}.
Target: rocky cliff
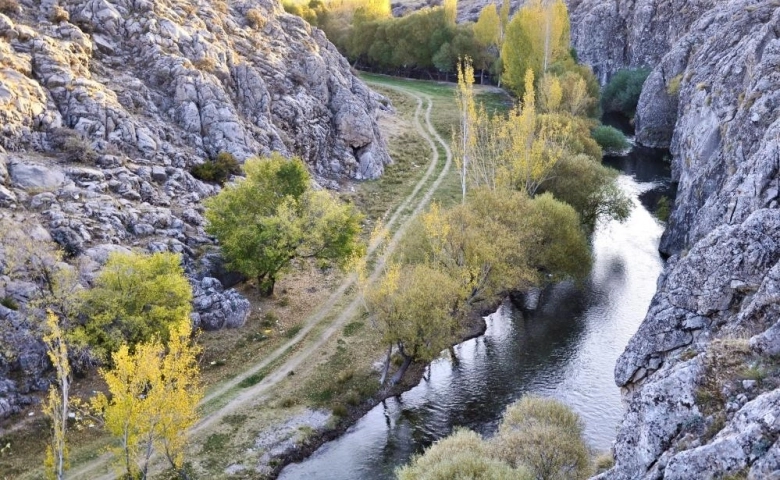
{"x": 701, "y": 376}
{"x": 105, "y": 106}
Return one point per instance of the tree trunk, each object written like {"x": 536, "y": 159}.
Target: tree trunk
{"x": 401, "y": 371}
{"x": 266, "y": 285}
{"x": 387, "y": 365}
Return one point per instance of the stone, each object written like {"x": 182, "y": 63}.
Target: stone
{"x": 35, "y": 176}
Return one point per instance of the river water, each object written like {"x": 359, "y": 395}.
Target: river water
{"x": 566, "y": 350}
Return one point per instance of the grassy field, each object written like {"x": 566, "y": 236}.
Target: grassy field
{"x": 341, "y": 375}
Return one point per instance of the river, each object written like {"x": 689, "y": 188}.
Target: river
{"x": 566, "y": 350}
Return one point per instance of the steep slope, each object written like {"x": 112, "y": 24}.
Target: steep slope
{"x": 106, "y": 105}
{"x": 700, "y": 377}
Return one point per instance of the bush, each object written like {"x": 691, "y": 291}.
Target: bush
{"x": 59, "y": 14}
{"x": 545, "y": 436}
{"x": 610, "y": 139}
{"x": 663, "y": 209}
{"x": 9, "y": 303}
{"x": 464, "y": 455}
{"x": 255, "y": 18}
{"x": 9, "y": 7}
{"x": 673, "y": 88}
{"x": 218, "y": 170}
{"x": 622, "y": 92}
{"x": 74, "y": 147}
{"x": 135, "y": 297}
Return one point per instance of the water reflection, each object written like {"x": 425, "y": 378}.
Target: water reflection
{"x": 566, "y": 350}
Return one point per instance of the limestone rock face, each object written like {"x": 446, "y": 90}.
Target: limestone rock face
{"x": 713, "y": 98}
{"x": 103, "y": 115}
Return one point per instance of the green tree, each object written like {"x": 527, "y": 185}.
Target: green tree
{"x": 134, "y": 297}
{"x": 590, "y": 188}
{"x": 622, "y": 92}
{"x": 487, "y": 30}
{"x": 413, "y": 308}
{"x": 273, "y": 216}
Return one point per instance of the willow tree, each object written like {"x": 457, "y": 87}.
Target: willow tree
{"x": 273, "y": 216}
{"x": 413, "y": 307}
{"x": 537, "y": 36}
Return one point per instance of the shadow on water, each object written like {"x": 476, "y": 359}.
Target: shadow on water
{"x": 567, "y": 349}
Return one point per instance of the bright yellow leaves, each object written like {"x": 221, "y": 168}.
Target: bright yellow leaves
{"x": 515, "y": 151}
{"x": 154, "y": 393}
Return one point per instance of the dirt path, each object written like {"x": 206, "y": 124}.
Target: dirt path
{"x": 257, "y": 392}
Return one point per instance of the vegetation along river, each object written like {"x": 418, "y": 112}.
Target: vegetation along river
{"x": 567, "y": 350}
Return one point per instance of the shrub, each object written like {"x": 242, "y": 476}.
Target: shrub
{"x": 255, "y": 18}
{"x": 622, "y": 92}
{"x": 546, "y": 437}
{"x": 205, "y": 64}
{"x": 673, "y": 87}
{"x": 218, "y": 170}
{"x": 610, "y": 139}
{"x": 9, "y": 303}
{"x": 59, "y": 14}
{"x": 135, "y": 297}
{"x": 74, "y": 147}
{"x": 663, "y": 209}
{"x": 9, "y": 7}
{"x": 462, "y": 455}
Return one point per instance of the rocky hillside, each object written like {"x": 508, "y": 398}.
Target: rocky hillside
{"x": 701, "y": 377}
{"x": 105, "y": 105}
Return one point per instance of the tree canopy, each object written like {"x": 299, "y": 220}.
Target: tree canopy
{"x": 134, "y": 297}
{"x": 273, "y": 216}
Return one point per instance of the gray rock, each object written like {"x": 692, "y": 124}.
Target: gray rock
{"x": 35, "y": 176}
{"x": 216, "y": 308}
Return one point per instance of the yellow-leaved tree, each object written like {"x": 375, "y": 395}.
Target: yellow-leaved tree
{"x": 153, "y": 396}
{"x": 488, "y": 30}
{"x": 466, "y": 139}
{"x": 57, "y": 402}
{"x": 537, "y": 36}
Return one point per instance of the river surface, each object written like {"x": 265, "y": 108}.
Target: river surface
{"x": 566, "y": 350}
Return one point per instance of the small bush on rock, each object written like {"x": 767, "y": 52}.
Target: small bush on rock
{"x": 72, "y": 145}
{"x": 610, "y": 139}
{"x": 218, "y": 170}
{"x": 9, "y": 7}
{"x": 255, "y": 18}
{"x": 59, "y": 14}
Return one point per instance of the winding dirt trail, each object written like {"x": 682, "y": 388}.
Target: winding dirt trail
{"x": 330, "y": 317}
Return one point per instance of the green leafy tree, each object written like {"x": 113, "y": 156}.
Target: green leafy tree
{"x": 135, "y": 297}
{"x": 413, "y": 307}
{"x": 622, "y": 92}
{"x": 273, "y": 216}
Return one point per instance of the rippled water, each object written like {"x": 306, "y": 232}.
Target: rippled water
{"x": 567, "y": 350}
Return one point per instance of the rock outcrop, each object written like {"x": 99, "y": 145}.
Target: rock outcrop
{"x": 105, "y": 105}
{"x": 700, "y": 377}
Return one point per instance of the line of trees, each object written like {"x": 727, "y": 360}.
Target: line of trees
{"x": 134, "y": 321}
